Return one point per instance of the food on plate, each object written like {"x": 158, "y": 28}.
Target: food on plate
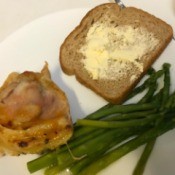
{"x": 113, "y": 131}
{"x": 112, "y": 48}
{"x": 34, "y": 113}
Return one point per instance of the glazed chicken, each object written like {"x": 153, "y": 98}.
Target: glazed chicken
{"x": 34, "y": 113}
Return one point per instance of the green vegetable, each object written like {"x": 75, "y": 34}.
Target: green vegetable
{"x": 78, "y": 166}
{"x": 114, "y": 130}
{"x": 153, "y": 77}
{"x": 119, "y": 124}
{"x": 121, "y": 109}
{"x": 127, "y": 147}
{"x": 162, "y": 97}
{"x": 139, "y": 169}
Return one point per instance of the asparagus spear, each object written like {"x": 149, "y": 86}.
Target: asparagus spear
{"x": 167, "y": 83}
{"x": 79, "y": 131}
{"x": 119, "y": 124}
{"x": 76, "y": 168}
{"x": 64, "y": 158}
{"x": 122, "y": 109}
{"x": 52, "y": 170}
{"x": 91, "y": 146}
{"x": 127, "y": 147}
{"x": 146, "y": 98}
{"x": 125, "y": 110}
{"x": 50, "y": 158}
{"x": 86, "y": 130}
{"x": 139, "y": 169}
{"x": 164, "y": 94}
{"x": 154, "y": 76}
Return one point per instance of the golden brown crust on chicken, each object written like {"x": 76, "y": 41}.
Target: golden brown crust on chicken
{"x": 34, "y": 114}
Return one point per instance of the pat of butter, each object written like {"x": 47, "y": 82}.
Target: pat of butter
{"x": 109, "y": 49}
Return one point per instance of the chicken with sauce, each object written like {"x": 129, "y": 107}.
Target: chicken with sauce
{"x": 34, "y": 113}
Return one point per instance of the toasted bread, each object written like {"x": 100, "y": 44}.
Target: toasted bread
{"x": 112, "y": 48}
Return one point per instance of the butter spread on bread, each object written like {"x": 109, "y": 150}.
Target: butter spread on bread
{"x": 108, "y": 50}
{"x": 112, "y": 48}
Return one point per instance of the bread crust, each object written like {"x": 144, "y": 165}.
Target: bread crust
{"x": 71, "y": 69}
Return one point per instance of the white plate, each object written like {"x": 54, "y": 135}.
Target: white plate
{"x": 39, "y": 41}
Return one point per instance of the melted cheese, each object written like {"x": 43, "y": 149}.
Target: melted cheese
{"x": 109, "y": 49}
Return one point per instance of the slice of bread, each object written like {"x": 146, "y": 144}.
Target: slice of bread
{"x": 112, "y": 48}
